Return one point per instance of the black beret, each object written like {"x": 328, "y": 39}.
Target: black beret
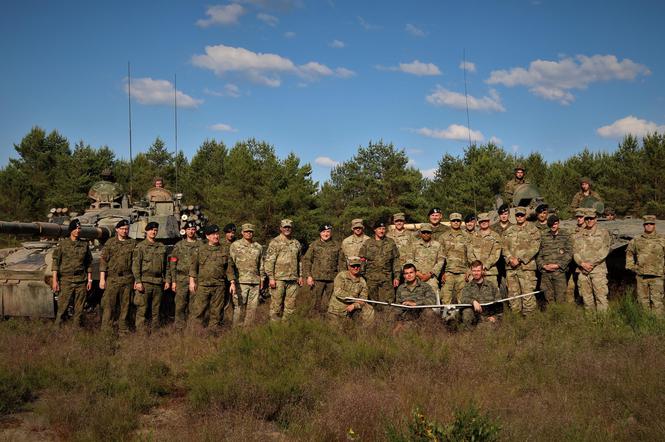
{"x": 210, "y": 229}
{"x": 469, "y": 217}
{"x": 433, "y": 210}
{"x": 152, "y": 225}
{"x": 230, "y": 227}
{"x": 73, "y": 224}
{"x": 190, "y": 224}
{"x": 323, "y": 227}
{"x": 122, "y": 223}
{"x": 541, "y": 208}
{"x": 380, "y": 223}
{"x": 503, "y": 208}
{"x": 551, "y": 220}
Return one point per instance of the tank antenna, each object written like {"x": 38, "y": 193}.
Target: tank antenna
{"x": 129, "y": 95}
{"x": 175, "y": 113}
{"x": 468, "y": 125}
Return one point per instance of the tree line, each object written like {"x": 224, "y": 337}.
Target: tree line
{"x": 250, "y": 183}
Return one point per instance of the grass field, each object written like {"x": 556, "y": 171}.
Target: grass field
{"x": 558, "y": 375}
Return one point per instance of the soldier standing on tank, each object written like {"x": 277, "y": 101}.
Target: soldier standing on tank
{"x": 179, "y": 264}
{"x": 209, "y": 273}
{"x": 454, "y": 249}
{"x": 351, "y": 244}
{"x": 478, "y": 290}
{"x": 645, "y": 256}
{"x": 381, "y": 264}
{"x": 554, "y": 256}
{"x": 521, "y": 243}
{"x": 485, "y": 246}
{"x": 590, "y": 249}
{"x": 584, "y": 193}
{"x": 229, "y": 237}
{"x": 150, "y": 277}
{"x": 72, "y": 273}
{"x": 349, "y": 284}
{"x": 517, "y": 180}
{"x": 541, "y": 218}
{"x": 402, "y": 237}
{"x": 321, "y": 264}
{"x": 116, "y": 278}
{"x": 283, "y": 268}
{"x": 247, "y": 258}
{"x": 427, "y": 255}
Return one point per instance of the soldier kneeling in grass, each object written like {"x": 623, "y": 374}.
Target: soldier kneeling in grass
{"x": 413, "y": 292}
{"x": 477, "y": 291}
{"x": 349, "y": 283}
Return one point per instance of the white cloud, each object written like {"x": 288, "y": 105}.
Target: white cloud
{"x": 230, "y": 90}
{"x": 411, "y": 162}
{"x": 268, "y": 19}
{"x": 289, "y": 34}
{"x": 415, "y": 68}
{"x": 368, "y": 26}
{"x": 280, "y": 5}
{"x": 515, "y": 148}
{"x": 338, "y": 44}
{"x": 414, "y": 30}
{"x": 553, "y": 80}
{"x": 325, "y": 162}
{"x": 453, "y": 132}
{"x": 428, "y": 173}
{"x": 470, "y": 67}
{"x": 443, "y": 97}
{"x": 261, "y": 68}
{"x": 159, "y": 92}
{"x": 414, "y": 150}
{"x": 221, "y": 15}
{"x": 630, "y": 125}
{"x": 495, "y": 140}
{"x": 222, "y": 127}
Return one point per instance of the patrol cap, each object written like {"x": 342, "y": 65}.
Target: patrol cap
{"x": 230, "y": 227}
{"x": 585, "y": 179}
{"x": 520, "y": 210}
{"x": 326, "y": 226}
{"x": 247, "y": 227}
{"x": 541, "y": 208}
{"x": 73, "y": 224}
{"x": 426, "y": 228}
{"x": 503, "y": 208}
{"x": 151, "y": 225}
{"x": 399, "y": 217}
{"x": 520, "y": 167}
{"x": 649, "y": 219}
{"x": 358, "y": 222}
{"x": 122, "y": 223}
{"x": 190, "y": 224}
{"x": 470, "y": 217}
{"x": 210, "y": 229}
{"x": 354, "y": 261}
{"x": 552, "y": 219}
{"x": 286, "y": 223}
{"x": 379, "y": 223}
{"x": 580, "y": 211}
{"x": 483, "y": 217}
{"x": 590, "y": 213}
{"x": 609, "y": 211}
{"x": 433, "y": 210}
{"x": 455, "y": 216}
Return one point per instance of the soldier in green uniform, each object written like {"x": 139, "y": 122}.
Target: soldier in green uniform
{"x": 645, "y": 256}
{"x": 321, "y": 264}
{"x": 470, "y": 222}
{"x": 229, "y": 238}
{"x": 150, "y": 277}
{"x": 584, "y": 193}
{"x": 402, "y": 237}
{"x": 572, "y": 268}
{"x": 590, "y": 249}
{"x": 485, "y": 246}
{"x": 542, "y": 212}
{"x": 209, "y": 273}
{"x": 283, "y": 268}
{"x": 352, "y": 243}
{"x": 247, "y": 257}
{"x": 478, "y": 291}
{"x": 521, "y": 243}
{"x": 179, "y": 264}
{"x": 350, "y": 284}
{"x": 381, "y": 259}
{"x": 71, "y": 273}
{"x": 500, "y": 227}
{"x": 427, "y": 255}
{"x": 554, "y": 256}
{"x": 434, "y": 217}
{"x": 412, "y": 292}
{"x": 116, "y": 278}
{"x": 454, "y": 249}
{"x": 516, "y": 181}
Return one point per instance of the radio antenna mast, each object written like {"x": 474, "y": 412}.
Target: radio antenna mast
{"x": 129, "y": 95}
{"x": 175, "y": 113}
{"x": 468, "y": 127}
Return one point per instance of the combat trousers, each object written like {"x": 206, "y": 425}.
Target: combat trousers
{"x": 380, "y": 288}
{"x": 554, "y": 285}
{"x": 321, "y": 292}
{"x": 184, "y": 303}
{"x": 209, "y": 301}
{"x": 116, "y": 302}
{"x": 245, "y": 301}
{"x": 71, "y": 292}
{"x": 519, "y": 282}
{"x": 149, "y": 300}
{"x": 650, "y": 293}
{"x": 593, "y": 289}
{"x": 432, "y": 282}
{"x": 364, "y": 317}
{"x": 570, "y": 289}
{"x": 283, "y": 300}
{"x": 452, "y": 288}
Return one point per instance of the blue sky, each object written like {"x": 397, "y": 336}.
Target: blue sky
{"x": 321, "y": 78}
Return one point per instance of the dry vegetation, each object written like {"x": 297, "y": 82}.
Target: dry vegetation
{"x": 556, "y": 376}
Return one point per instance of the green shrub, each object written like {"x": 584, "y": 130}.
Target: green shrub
{"x": 14, "y": 391}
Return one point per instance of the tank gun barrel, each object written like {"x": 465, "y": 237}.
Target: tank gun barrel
{"x": 52, "y": 230}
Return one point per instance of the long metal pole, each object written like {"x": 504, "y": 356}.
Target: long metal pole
{"x": 175, "y": 113}
{"x": 129, "y": 94}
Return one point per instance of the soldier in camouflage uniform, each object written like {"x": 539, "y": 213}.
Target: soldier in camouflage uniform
{"x": 521, "y": 243}
{"x": 116, "y": 278}
{"x": 517, "y": 180}
{"x": 645, "y": 256}
{"x": 556, "y": 252}
{"x": 478, "y": 291}
{"x": 350, "y": 284}
{"x": 150, "y": 277}
{"x": 247, "y": 257}
{"x": 229, "y": 238}
{"x": 283, "y": 268}
{"x": 584, "y": 193}
{"x": 413, "y": 292}
{"x": 470, "y": 222}
{"x": 179, "y": 263}
{"x": 322, "y": 262}
{"x": 381, "y": 264}
{"x": 402, "y": 237}
{"x": 485, "y": 246}
{"x": 427, "y": 255}
{"x": 454, "y": 249}
{"x": 572, "y": 268}
{"x": 504, "y": 220}
{"x": 352, "y": 243}
{"x": 71, "y": 273}
{"x": 435, "y": 216}
{"x": 590, "y": 249}
{"x": 542, "y": 212}
{"x": 209, "y": 273}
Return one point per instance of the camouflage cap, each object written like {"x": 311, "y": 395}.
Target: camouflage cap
{"x": 590, "y": 213}
{"x": 585, "y": 179}
{"x": 358, "y": 222}
{"x": 286, "y": 223}
{"x": 455, "y": 216}
{"x": 427, "y": 227}
{"x": 580, "y": 211}
{"x": 247, "y": 227}
{"x": 399, "y": 217}
{"x": 649, "y": 219}
{"x": 520, "y": 210}
{"x": 520, "y": 167}
{"x": 483, "y": 217}
{"x": 354, "y": 261}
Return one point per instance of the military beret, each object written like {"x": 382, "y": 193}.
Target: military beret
{"x": 552, "y": 219}
{"x": 122, "y": 223}
{"x": 358, "y": 222}
{"x": 230, "y": 227}
{"x": 326, "y": 226}
{"x": 247, "y": 227}
{"x": 354, "y": 261}
{"x": 426, "y": 228}
{"x": 520, "y": 210}
{"x": 210, "y": 229}
{"x": 190, "y": 225}
{"x": 455, "y": 216}
{"x": 590, "y": 213}
{"x": 379, "y": 223}
{"x": 73, "y": 224}
{"x": 541, "y": 208}
{"x": 433, "y": 210}
{"x": 580, "y": 211}
{"x": 151, "y": 225}
{"x": 503, "y": 208}
{"x": 286, "y": 223}
{"x": 399, "y": 217}
{"x": 649, "y": 219}
{"x": 483, "y": 217}
{"x": 470, "y": 217}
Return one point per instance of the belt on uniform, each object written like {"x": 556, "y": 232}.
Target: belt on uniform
{"x": 155, "y": 274}
{"x": 72, "y": 274}
{"x": 121, "y": 274}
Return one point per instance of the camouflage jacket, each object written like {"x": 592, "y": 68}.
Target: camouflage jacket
{"x": 72, "y": 260}
{"x": 484, "y": 292}
{"x": 419, "y": 292}
{"x": 498, "y": 228}
{"x": 116, "y": 257}
{"x": 543, "y": 227}
{"x": 282, "y": 261}
{"x": 579, "y": 198}
{"x": 323, "y": 260}
{"x": 149, "y": 262}
{"x": 247, "y": 257}
{"x": 181, "y": 259}
{"x": 210, "y": 265}
{"x": 438, "y": 231}
{"x": 523, "y": 243}
{"x": 510, "y": 188}
{"x": 645, "y": 254}
{"x": 454, "y": 249}
{"x": 381, "y": 258}
{"x": 427, "y": 257}
{"x": 351, "y": 245}
{"x": 555, "y": 249}
{"x": 592, "y": 245}
{"x": 403, "y": 240}
{"x": 346, "y": 285}
{"x": 485, "y": 248}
